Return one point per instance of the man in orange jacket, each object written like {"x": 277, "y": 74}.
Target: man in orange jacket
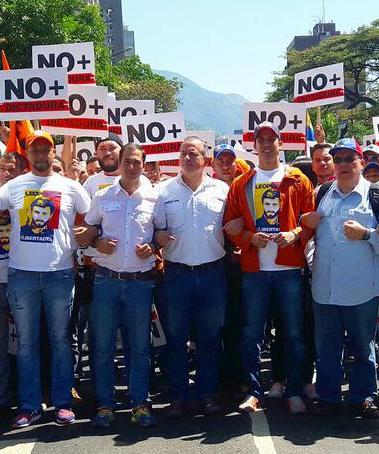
{"x": 272, "y": 257}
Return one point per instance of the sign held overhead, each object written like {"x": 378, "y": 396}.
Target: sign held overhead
{"x": 29, "y": 94}
{"x": 118, "y": 109}
{"x": 77, "y": 58}
{"x": 320, "y": 86}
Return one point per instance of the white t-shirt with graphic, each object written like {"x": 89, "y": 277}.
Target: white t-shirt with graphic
{"x": 42, "y": 211}
{"x": 266, "y": 212}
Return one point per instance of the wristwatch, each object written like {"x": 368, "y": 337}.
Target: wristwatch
{"x": 366, "y": 236}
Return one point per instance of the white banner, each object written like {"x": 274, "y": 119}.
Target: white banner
{"x": 375, "y": 123}
{"x": 288, "y": 117}
{"x": 320, "y": 86}
{"x": 118, "y": 109}
{"x": 77, "y": 58}
{"x": 84, "y": 150}
{"x": 88, "y": 113}
{"x": 159, "y": 134}
{"x": 29, "y": 94}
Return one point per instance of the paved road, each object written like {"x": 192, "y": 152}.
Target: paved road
{"x": 266, "y": 432}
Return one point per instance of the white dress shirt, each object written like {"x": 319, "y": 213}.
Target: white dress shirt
{"x": 130, "y": 219}
{"x": 195, "y": 219}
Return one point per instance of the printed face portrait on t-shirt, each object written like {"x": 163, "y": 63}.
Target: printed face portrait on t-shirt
{"x": 5, "y": 231}
{"x": 39, "y": 216}
{"x": 267, "y": 203}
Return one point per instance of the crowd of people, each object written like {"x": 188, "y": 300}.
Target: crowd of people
{"x": 227, "y": 259}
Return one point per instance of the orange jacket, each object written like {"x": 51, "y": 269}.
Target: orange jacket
{"x": 296, "y": 198}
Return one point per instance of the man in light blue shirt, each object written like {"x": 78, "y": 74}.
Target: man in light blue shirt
{"x": 344, "y": 284}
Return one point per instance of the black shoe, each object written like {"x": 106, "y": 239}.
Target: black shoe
{"x": 366, "y": 409}
{"x": 211, "y": 407}
{"x": 177, "y": 409}
{"x": 323, "y": 408}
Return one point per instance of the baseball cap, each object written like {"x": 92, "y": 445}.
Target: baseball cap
{"x": 223, "y": 148}
{"x": 38, "y": 134}
{"x": 113, "y": 137}
{"x": 371, "y": 165}
{"x": 371, "y": 149}
{"x": 347, "y": 144}
{"x": 266, "y": 125}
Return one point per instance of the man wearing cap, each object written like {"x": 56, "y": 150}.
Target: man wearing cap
{"x": 371, "y": 172}
{"x": 194, "y": 285}
{"x": 345, "y": 284}
{"x": 40, "y": 274}
{"x": 371, "y": 153}
{"x": 272, "y": 257}
{"x": 226, "y": 166}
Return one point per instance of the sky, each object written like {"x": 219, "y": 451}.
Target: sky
{"x": 232, "y": 46}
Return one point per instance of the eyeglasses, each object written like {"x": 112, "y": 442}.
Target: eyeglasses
{"x": 347, "y": 160}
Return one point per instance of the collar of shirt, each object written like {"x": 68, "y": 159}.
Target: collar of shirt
{"x": 206, "y": 182}
{"x": 361, "y": 188}
{"x": 137, "y": 193}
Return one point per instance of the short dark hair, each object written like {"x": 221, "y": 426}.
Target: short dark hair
{"x": 304, "y": 164}
{"x": 320, "y": 146}
{"x": 190, "y": 139}
{"x": 130, "y": 147}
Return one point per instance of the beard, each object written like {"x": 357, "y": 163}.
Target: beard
{"x": 108, "y": 167}
{"x": 41, "y": 166}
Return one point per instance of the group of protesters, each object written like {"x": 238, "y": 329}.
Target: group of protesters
{"x": 227, "y": 260}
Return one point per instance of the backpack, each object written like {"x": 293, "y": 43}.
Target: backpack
{"x": 373, "y": 195}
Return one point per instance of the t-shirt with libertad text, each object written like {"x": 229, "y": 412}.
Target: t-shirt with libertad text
{"x": 42, "y": 211}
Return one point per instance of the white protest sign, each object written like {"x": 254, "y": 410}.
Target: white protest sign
{"x": 77, "y": 58}
{"x": 288, "y": 117}
{"x": 84, "y": 150}
{"x": 88, "y": 113}
{"x": 159, "y": 134}
{"x": 158, "y": 336}
{"x": 118, "y": 109}
{"x": 320, "y": 86}
{"x": 29, "y": 94}
{"x": 375, "y": 122}
{"x": 209, "y": 137}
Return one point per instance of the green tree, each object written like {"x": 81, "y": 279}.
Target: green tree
{"x": 24, "y": 23}
{"x": 136, "y": 80}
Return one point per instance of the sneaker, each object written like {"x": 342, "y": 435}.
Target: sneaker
{"x": 310, "y": 392}
{"x": 141, "y": 415}
{"x": 366, "y": 409}
{"x": 103, "y": 418}
{"x": 276, "y": 391}
{"x": 296, "y": 406}
{"x": 250, "y": 404}
{"x": 25, "y": 419}
{"x": 64, "y": 415}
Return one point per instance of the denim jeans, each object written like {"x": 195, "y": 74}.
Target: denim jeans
{"x": 193, "y": 299}
{"x": 4, "y": 357}
{"x": 287, "y": 289}
{"x": 28, "y": 291}
{"x": 127, "y": 304}
{"x": 331, "y": 322}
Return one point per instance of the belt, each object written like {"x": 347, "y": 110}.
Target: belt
{"x": 123, "y": 276}
{"x": 203, "y": 266}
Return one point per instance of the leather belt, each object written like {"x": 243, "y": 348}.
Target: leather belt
{"x": 202, "y": 266}
{"x": 123, "y": 276}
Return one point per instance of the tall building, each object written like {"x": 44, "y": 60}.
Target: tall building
{"x": 118, "y": 38}
{"x": 321, "y": 31}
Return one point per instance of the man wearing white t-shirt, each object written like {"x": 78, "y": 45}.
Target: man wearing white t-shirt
{"x": 42, "y": 206}
{"x": 270, "y": 199}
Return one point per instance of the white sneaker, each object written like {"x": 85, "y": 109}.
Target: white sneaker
{"x": 296, "y": 405}
{"x": 276, "y": 391}
{"x": 310, "y": 392}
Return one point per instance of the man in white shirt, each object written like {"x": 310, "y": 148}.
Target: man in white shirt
{"x": 40, "y": 274}
{"x": 128, "y": 211}
{"x": 194, "y": 286}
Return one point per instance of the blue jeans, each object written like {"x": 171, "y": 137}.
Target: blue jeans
{"x": 193, "y": 299}
{"x": 4, "y": 357}
{"x": 126, "y": 304}
{"x": 331, "y": 322}
{"x": 287, "y": 289}
{"x": 28, "y": 291}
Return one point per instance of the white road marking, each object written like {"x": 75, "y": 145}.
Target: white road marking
{"x": 261, "y": 433}
{"x": 21, "y": 448}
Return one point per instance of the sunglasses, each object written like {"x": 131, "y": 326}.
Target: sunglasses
{"x": 347, "y": 160}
